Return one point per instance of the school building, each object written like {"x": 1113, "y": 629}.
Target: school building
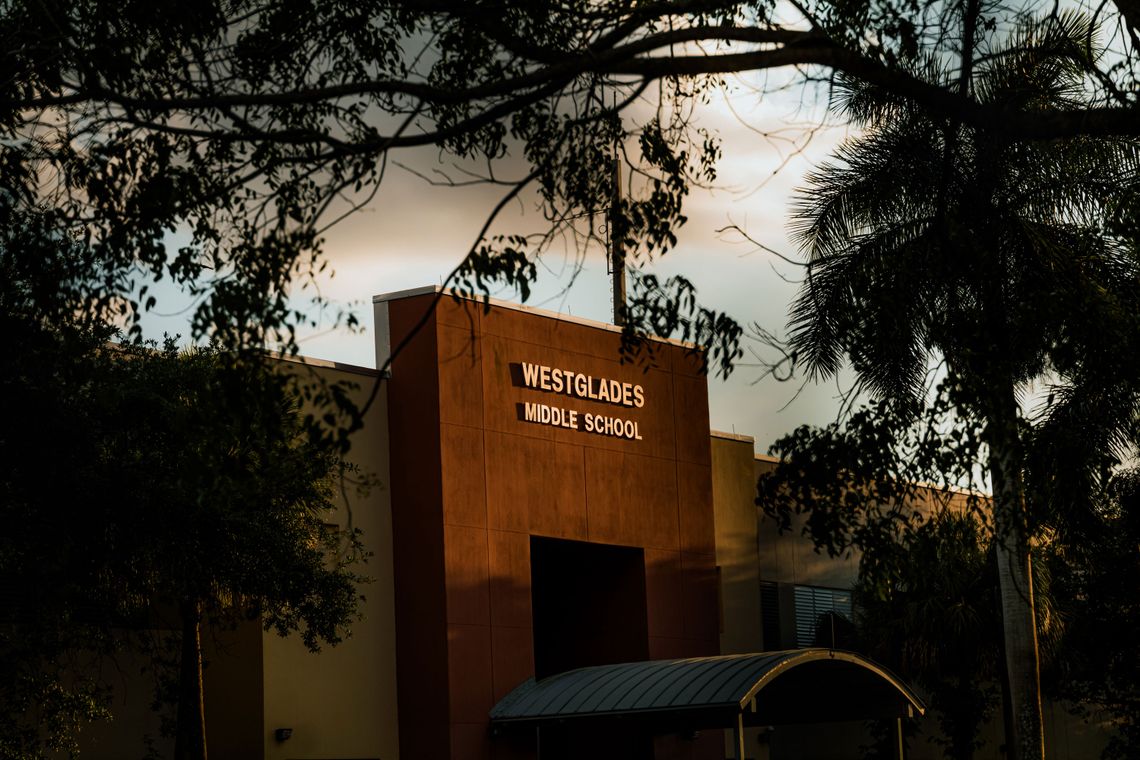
{"x": 566, "y": 563}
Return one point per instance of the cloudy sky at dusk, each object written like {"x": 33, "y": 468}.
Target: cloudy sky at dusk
{"x": 412, "y": 234}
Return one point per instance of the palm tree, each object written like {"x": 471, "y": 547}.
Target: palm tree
{"x": 930, "y": 241}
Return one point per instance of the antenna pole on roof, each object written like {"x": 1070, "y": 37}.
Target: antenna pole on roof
{"x": 617, "y": 251}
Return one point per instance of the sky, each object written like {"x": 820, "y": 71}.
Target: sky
{"x": 412, "y": 234}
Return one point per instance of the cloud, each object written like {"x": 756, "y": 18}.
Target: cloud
{"x": 413, "y": 233}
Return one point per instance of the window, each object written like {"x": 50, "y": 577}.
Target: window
{"x": 818, "y": 610}
{"x": 805, "y": 616}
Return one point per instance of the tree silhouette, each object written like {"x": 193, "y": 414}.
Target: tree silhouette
{"x": 250, "y": 126}
{"x": 938, "y": 621}
{"x": 932, "y": 241}
{"x": 147, "y": 491}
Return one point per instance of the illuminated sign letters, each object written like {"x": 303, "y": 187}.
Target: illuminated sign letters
{"x": 570, "y": 383}
{"x": 579, "y": 385}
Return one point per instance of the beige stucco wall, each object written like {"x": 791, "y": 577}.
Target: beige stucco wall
{"x": 791, "y": 558}
{"x": 232, "y": 683}
{"x": 134, "y": 722}
{"x": 734, "y": 517}
{"x": 342, "y": 702}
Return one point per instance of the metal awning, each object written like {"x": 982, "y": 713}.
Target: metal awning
{"x": 730, "y": 691}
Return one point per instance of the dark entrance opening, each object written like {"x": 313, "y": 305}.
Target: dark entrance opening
{"x": 588, "y": 602}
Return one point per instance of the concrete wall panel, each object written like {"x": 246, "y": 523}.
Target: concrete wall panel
{"x": 512, "y": 657}
{"x": 701, "y": 609}
{"x": 535, "y": 486}
{"x": 510, "y": 578}
{"x": 470, "y": 695}
{"x": 463, "y": 476}
{"x": 691, "y": 403}
{"x": 665, "y": 593}
{"x": 632, "y": 500}
{"x": 694, "y": 484}
{"x": 468, "y": 580}
{"x": 460, "y": 381}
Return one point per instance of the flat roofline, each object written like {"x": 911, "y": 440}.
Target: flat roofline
{"x": 310, "y": 361}
{"x": 306, "y": 360}
{"x": 956, "y": 490}
{"x": 732, "y": 436}
{"x": 500, "y": 303}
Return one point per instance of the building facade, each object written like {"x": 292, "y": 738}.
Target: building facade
{"x": 545, "y": 506}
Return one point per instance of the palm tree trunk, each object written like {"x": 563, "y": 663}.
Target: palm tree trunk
{"x": 1006, "y": 697}
{"x": 1015, "y": 583}
{"x": 190, "y": 735}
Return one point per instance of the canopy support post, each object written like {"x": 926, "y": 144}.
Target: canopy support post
{"x": 899, "y": 733}
{"x": 738, "y": 737}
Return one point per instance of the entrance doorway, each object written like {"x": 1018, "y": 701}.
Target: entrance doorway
{"x": 588, "y": 602}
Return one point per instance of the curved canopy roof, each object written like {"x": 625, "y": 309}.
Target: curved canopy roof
{"x": 771, "y": 688}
